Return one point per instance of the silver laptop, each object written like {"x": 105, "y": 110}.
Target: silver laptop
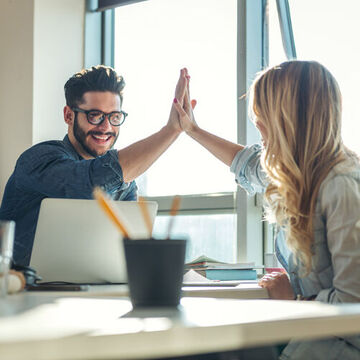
{"x": 76, "y": 242}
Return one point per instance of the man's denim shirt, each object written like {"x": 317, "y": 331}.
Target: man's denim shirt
{"x": 53, "y": 169}
{"x": 335, "y": 272}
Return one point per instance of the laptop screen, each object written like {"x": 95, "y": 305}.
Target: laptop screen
{"x": 76, "y": 242}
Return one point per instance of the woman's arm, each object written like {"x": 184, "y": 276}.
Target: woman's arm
{"x": 244, "y": 161}
{"x": 223, "y": 149}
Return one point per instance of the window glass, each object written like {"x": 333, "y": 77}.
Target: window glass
{"x": 211, "y": 235}
{"x": 153, "y": 41}
{"x": 327, "y": 31}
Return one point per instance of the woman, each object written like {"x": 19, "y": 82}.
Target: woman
{"x": 312, "y": 190}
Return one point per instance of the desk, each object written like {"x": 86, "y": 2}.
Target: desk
{"x": 245, "y": 290}
{"x": 64, "y": 328}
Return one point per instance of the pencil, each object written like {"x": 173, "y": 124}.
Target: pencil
{"x": 109, "y": 211}
{"x": 145, "y": 212}
{"x": 173, "y": 211}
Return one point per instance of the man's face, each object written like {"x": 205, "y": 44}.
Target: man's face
{"x": 96, "y": 140}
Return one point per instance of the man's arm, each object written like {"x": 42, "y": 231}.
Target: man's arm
{"x": 138, "y": 157}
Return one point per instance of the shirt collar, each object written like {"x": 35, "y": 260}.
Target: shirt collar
{"x": 69, "y": 146}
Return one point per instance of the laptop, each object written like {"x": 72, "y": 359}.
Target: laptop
{"x": 76, "y": 242}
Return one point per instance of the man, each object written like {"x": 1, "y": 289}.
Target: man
{"x": 84, "y": 158}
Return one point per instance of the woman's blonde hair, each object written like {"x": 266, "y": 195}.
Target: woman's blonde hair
{"x": 298, "y": 103}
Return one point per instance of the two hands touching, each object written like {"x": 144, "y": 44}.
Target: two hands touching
{"x": 181, "y": 115}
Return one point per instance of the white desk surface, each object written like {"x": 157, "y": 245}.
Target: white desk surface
{"x": 245, "y": 290}
{"x": 54, "y": 328}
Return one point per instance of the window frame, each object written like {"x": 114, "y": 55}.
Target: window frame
{"x": 253, "y": 235}
{"x": 286, "y": 30}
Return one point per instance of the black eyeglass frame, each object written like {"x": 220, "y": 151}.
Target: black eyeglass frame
{"x": 103, "y": 116}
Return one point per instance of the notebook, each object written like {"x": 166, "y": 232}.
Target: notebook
{"x": 76, "y": 242}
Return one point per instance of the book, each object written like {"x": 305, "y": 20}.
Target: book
{"x": 228, "y": 274}
{"x": 194, "y": 279}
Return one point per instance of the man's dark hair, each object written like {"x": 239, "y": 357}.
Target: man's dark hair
{"x": 97, "y": 78}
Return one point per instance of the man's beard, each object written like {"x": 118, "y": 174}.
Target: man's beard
{"x": 81, "y": 136}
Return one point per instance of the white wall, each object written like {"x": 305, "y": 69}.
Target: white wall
{"x": 58, "y": 45}
{"x": 16, "y": 85}
{"x": 42, "y": 45}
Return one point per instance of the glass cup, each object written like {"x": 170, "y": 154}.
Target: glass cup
{"x": 7, "y": 232}
{"x": 155, "y": 270}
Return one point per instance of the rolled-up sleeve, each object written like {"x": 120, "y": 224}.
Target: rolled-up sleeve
{"x": 340, "y": 201}
{"x": 248, "y": 171}
{"x": 48, "y": 170}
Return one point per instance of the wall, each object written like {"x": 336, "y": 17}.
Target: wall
{"x": 16, "y": 85}
{"x": 42, "y": 44}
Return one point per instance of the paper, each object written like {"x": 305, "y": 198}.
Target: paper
{"x": 193, "y": 276}
{"x": 204, "y": 261}
{"x": 203, "y": 258}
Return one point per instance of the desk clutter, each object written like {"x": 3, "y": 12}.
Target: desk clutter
{"x": 16, "y": 282}
{"x": 217, "y": 270}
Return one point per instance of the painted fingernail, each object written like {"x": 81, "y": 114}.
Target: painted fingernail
{"x": 175, "y": 100}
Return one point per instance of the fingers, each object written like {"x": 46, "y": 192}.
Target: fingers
{"x": 187, "y": 104}
{"x": 187, "y": 76}
{"x": 269, "y": 280}
{"x": 278, "y": 286}
{"x": 181, "y": 112}
{"x": 188, "y": 83}
{"x": 181, "y": 86}
{"x": 182, "y": 103}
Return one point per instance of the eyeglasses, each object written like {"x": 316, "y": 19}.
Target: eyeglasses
{"x": 96, "y": 117}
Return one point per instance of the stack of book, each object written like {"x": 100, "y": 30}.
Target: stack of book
{"x": 217, "y": 270}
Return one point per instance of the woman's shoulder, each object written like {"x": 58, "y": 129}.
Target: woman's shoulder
{"x": 349, "y": 168}
{"x": 342, "y": 180}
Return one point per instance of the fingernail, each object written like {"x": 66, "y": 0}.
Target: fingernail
{"x": 175, "y": 100}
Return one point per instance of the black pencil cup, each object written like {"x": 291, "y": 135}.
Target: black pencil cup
{"x": 155, "y": 271}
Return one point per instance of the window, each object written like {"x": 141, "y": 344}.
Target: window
{"x": 220, "y": 42}
{"x": 223, "y": 43}
{"x": 327, "y": 31}
{"x": 213, "y": 235}
{"x": 153, "y": 40}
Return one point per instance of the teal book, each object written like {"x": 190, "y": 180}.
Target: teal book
{"x": 229, "y": 274}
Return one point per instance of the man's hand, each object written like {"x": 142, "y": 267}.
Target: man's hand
{"x": 179, "y": 95}
{"x": 278, "y": 286}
